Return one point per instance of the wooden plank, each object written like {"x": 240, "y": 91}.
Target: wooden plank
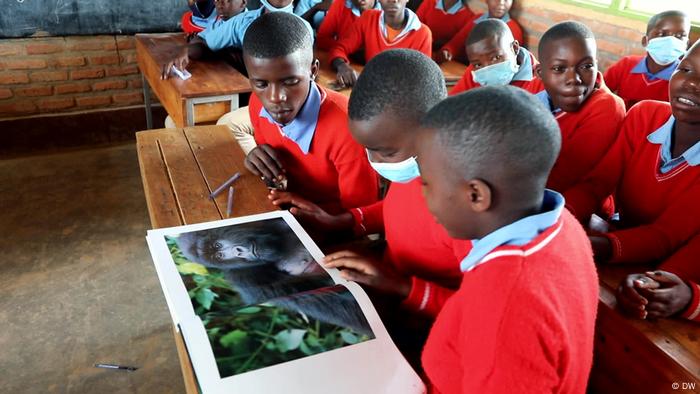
{"x": 211, "y": 112}
{"x": 191, "y": 385}
{"x": 160, "y": 196}
{"x": 219, "y": 156}
{"x": 452, "y": 71}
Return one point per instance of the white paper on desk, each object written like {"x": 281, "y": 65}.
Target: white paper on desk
{"x": 283, "y": 345}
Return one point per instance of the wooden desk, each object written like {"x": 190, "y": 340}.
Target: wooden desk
{"x": 211, "y": 91}
{"x": 641, "y": 356}
{"x": 179, "y": 168}
{"x": 453, "y": 72}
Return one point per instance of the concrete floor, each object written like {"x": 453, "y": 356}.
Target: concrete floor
{"x": 77, "y": 284}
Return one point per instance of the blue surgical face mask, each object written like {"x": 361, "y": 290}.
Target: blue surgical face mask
{"x": 204, "y": 10}
{"x": 496, "y": 74}
{"x": 666, "y": 50}
{"x": 402, "y": 172}
{"x": 289, "y": 8}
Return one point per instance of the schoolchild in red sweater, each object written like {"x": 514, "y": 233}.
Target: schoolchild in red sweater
{"x": 497, "y": 9}
{"x": 636, "y": 78}
{"x": 496, "y": 58}
{"x": 445, "y": 18}
{"x": 338, "y": 22}
{"x": 654, "y": 170}
{"x": 301, "y": 128}
{"x": 589, "y": 116}
{"x": 395, "y": 26}
{"x": 518, "y": 323}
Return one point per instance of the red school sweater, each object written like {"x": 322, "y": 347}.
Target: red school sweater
{"x": 443, "y": 25}
{"x": 533, "y": 86}
{"x": 519, "y": 323}
{"x": 685, "y": 263}
{"x": 586, "y": 136}
{"x": 335, "y": 174}
{"x": 456, "y": 45}
{"x": 634, "y": 87}
{"x": 335, "y": 25}
{"x": 659, "y": 212}
{"x": 417, "y": 246}
{"x": 366, "y": 32}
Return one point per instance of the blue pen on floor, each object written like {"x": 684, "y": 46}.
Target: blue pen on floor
{"x": 229, "y": 204}
{"x": 224, "y": 185}
{"x": 115, "y": 366}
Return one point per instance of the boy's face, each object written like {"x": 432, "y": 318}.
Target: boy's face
{"x": 568, "y": 70}
{"x": 229, "y": 8}
{"x": 363, "y": 5}
{"x": 393, "y": 8}
{"x": 498, "y": 8}
{"x": 669, "y": 26}
{"x": 280, "y": 3}
{"x": 282, "y": 83}
{"x": 491, "y": 50}
{"x": 684, "y": 88}
{"x": 388, "y": 137}
{"x": 444, "y": 190}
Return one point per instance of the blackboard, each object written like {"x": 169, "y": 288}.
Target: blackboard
{"x": 22, "y": 18}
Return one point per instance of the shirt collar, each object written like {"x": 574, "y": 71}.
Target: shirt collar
{"x": 356, "y": 11}
{"x": 456, "y": 7}
{"x": 302, "y": 128}
{"x": 544, "y": 98}
{"x": 518, "y": 233}
{"x": 485, "y": 16}
{"x": 665, "y": 74}
{"x": 413, "y": 23}
{"x": 525, "y": 71}
{"x": 663, "y": 135}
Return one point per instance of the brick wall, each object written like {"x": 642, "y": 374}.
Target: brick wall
{"x": 67, "y": 74}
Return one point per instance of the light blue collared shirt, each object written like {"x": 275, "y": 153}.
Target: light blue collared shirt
{"x": 525, "y": 71}
{"x": 413, "y": 23}
{"x": 230, "y": 33}
{"x": 663, "y": 136}
{"x": 305, "y": 5}
{"x": 544, "y": 98}
{"x": 302, "y": 128}
{"x": 205, "y": 23}
{"x": 518, "y": 233}
{"x": 356, "y": 11}
{"x": 486, "y": 16}
{"x": 456, "y": 7}
{"x": 665, "y": 74}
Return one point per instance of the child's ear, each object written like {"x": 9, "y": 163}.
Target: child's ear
{"x": 538, "y": 70}
{"x": 645, "y": 40}
{"x": 515, "y": 46}
{"x": 479, "y": 195}
{"x": 315, "y": 66}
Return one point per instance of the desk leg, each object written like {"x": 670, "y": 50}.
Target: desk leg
{"x": 234, "y": 102}
{"x": 189, "y": 112}
{"x": 147, "y": 102}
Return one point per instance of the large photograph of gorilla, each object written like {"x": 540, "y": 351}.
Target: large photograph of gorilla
{"x": 262, "y": 297}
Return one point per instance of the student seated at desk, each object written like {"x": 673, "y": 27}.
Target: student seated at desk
{"x": 339, "y": 20}
{"x": 636, "y": 78}
{"x": 300, "y": 127}
{"x": 445, "y": 18}
{"x": 496, "y": 58}
{"x": 498, "y": 9}
{"x": 395, "y": 26}
{"x": 523, "y": 318}
{"x": 589, "y": 116}
{"x": 653, "y": 169}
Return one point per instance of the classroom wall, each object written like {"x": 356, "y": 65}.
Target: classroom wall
{"x": 63, "y": 74}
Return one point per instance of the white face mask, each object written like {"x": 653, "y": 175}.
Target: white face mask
{"x": 666, "y": 50}
{"x": 289, "y": 8}
{"x": 401, "y": 172}
{"x": 498, "y": 74}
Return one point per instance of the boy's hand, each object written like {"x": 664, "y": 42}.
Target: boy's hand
{"x": 358, "y": 268}
{"x": 180, "y": 61}
{"x": 264, "y": 162}
{"x": 671, "y": 297}
{"x": 347, "y": 76}
{"x": 442, "y": 56}
{"x": 629, "y": 297}
{"x": 602, "y": 249}
{"x": 310, "y": 213}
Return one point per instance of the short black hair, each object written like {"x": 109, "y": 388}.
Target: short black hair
{"x": 666, "y": 14}
{"x": 277, "y": 34}
{"x": 568, "y": 29}
{"x": 489, "y": 28}
{"x": 497, "y": 132}
{"x": 404, "y": 81}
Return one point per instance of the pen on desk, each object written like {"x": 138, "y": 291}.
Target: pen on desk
{"x": 229, "y": 204}
{"x": 224, "y": 185}
{"x": 115, "y": 366}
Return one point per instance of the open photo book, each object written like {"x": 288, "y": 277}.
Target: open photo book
{"x": 260, "y": 314}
